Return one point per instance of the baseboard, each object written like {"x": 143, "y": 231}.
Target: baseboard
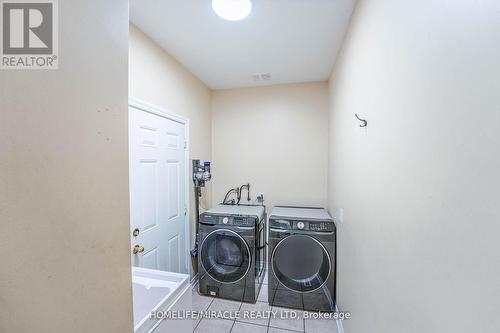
{"x": 340, "y": 326}
{"x": 194, "y": 280}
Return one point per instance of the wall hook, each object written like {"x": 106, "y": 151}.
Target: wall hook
{"x": 364, "y": 122}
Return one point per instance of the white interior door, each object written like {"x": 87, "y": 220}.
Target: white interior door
{"x": 157, "y": 148}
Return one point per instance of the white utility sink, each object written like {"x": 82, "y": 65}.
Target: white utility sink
{"x": 160, "y": 291}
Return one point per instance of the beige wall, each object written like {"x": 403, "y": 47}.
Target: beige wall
{"x": 274, "y": 137}
{"x": 64, "y": 212}
{"x": 418, "y": 249}
{"x": 157, "y": 78}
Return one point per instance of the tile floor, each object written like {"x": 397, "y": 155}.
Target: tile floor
{"x": 257, "y": 325}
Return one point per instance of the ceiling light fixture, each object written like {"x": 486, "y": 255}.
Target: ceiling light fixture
{"x": 232, "y": 10}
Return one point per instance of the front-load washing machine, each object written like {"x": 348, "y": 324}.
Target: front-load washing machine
{"x": 232, "y": 253}
{"x": 302, "y": 247}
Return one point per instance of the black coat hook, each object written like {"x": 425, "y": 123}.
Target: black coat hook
{"x": 362, "y": 120}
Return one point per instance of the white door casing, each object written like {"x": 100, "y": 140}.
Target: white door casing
{"x": 158, "y": 176}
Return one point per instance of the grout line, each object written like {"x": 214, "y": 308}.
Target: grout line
{"x": 283, "y": 329}
{"x": 232, "y": 326}
{"x": 269, "y": 320}
{"x": 206, "y": 309}
{"x": 253, "y": 324}
{"x": 198, "y": 324}
{"x": 234, "y": 321}
{"x": 287, "y": 329}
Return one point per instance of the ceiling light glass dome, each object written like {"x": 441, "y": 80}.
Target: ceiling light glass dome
{"x": 232, "y": 10}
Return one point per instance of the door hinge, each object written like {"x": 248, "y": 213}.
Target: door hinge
{"x": 185, "y": 144}
{"x": 185, "y": 211}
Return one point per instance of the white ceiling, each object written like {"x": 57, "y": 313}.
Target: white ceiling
{"x": 293, "y": 40}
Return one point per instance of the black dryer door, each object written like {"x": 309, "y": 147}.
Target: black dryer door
{"x": 225, "y": 256}
{"x": 301, "y": 263}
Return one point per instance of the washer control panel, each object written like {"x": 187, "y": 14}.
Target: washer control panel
{"x": 321, "y": 226}
{"x": 229, "y": 220}
{"x": 318, "y": 226}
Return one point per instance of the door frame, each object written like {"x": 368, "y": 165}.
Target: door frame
{"x": 156, "y": 110}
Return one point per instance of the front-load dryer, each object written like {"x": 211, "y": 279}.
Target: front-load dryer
{"x": 232, "y": 252}
{"x": 302, "y": 259}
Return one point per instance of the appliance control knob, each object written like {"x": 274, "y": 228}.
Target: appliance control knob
{"x": 300, "y": 225}
{"x": 225, "y": 220}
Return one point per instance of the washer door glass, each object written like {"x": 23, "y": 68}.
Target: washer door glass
{"x": 225, "y": 256}
{"x": 301, "y": 263}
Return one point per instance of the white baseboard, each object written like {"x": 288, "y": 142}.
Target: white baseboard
{"x": 194, "y": 280}
{"x": 340, "y": 326}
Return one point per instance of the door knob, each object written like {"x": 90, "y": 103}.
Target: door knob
{"x": 138, "y": 249}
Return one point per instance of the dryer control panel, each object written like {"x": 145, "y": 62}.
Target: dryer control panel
{"x": 319, "y": 226}
{"x": 229, "y": 220}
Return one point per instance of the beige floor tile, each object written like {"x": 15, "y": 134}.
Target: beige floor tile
{"x": 262, "y": 294}
{"x": 200, "y": 303}
{"x": 266, "y": 278}
{"x": 214, "y": 326}
{"x": 249, "y": 309}
{"x": 285, "y": 320}
{"x": 315, "y": 325}
{"x": 240, "y": 327}
{"x": 224, "y": 305}
{"x": 320, "y": 326}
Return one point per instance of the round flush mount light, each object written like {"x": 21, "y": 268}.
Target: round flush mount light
{"x": 232, "y": 10}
